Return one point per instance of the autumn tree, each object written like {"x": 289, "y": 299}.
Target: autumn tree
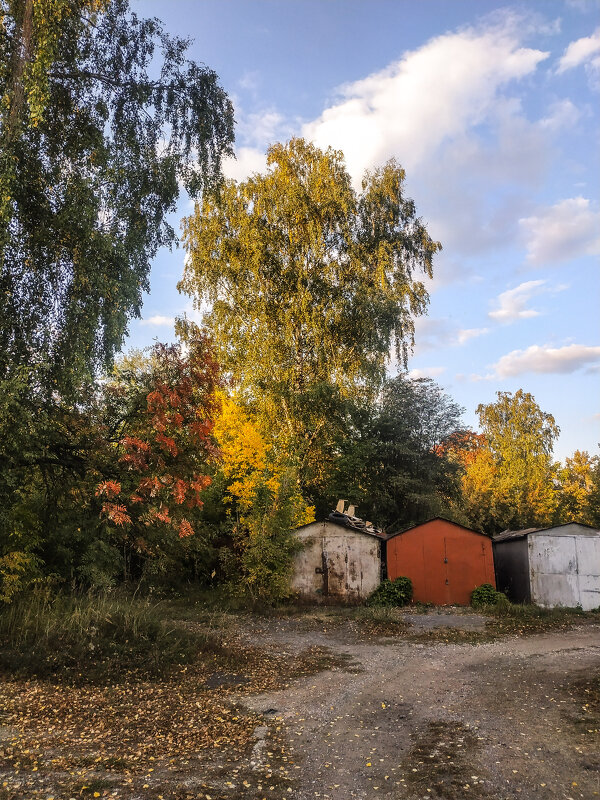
{"x": 102, "y": 119}
{"x": 110, "y": 487}
{"x": 310, "y": 285}
{"x": 576, "y": 488}
{"x": 259, "y": 490}
{"x": 159, "y": 416}
{"x": 510, "y": 482}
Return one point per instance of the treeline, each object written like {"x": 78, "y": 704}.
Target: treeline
{"x": 194, "y": 461}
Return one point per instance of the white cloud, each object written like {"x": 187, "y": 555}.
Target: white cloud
{"x": 471, "y": 333}
{"x": 262, "y": 128}
{"x": 512, "y": 303}
{"x": 434, "y": 333}
{"x": 547, "y": 360}
{"x": 158, "y": 320}
{"x": 459, "y": 74}
{"x": 248, "y": 161}
{"x": 563, "y": 114}
{"x": 249, "y": 81}
{"x": 583, "y": 51}
{"x": 426, "y": 372}
{"x": 562, "y": 232}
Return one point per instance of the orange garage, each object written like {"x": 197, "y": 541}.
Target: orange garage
{"x": 444, "y": 561}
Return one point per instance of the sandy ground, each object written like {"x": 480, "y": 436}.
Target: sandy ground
{"x": 499, "y": 720}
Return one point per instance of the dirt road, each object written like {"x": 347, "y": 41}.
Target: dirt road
{"x": 506, "y": 719}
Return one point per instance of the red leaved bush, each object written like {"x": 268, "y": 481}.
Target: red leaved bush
{"x": 165, "y": 410}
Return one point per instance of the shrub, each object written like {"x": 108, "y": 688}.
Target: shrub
{"x": 398, "y": 592}
{"x": 486, "y": 595}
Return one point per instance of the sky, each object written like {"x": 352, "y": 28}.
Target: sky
{"x": 493, "y": 111}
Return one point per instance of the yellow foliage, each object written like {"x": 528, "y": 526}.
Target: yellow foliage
{"x": 249, "y": 462}
{"x": 16, "y": 570}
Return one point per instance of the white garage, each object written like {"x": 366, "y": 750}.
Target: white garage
{"x": 550, "y": 567}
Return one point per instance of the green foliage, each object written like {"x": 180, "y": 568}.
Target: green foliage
{"x": 59, "y": 462}
{"x": 391, "y": 460}
{"x": 260, "y": 563}
{"x": 91, "y": 637}
{"x": 398, "y": 592}
{"x": 102, "y": 118}
{"x": 486, "y": 595}
{"x": 310, "y": 285}
{"x": 577, "y": 491}
{"x": 18, "y": 570}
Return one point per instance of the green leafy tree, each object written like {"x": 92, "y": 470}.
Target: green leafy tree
{"x": 102, "y": 118}
{"x": 260, "y": 496}
{"x": 393, "y": 462}
{"x": 594, "y": 495}
{"x": 511, "y": 481}
{"x": 310, "y": 284}
{"x": 111, "y": 487}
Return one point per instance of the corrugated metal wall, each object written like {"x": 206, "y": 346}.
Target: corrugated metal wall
{"x": 444, "y": 561}
{"x": 564, "y": 570}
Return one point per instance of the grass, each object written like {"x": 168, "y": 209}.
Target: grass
{"x": 507, "y": 618}
{"x": 93, "y": 638}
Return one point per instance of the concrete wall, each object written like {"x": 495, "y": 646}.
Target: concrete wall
{"x": 336, "y": 562}
{"x": 564, "y": 567}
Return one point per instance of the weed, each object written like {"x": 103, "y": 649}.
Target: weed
{"x": 92, "y": 638}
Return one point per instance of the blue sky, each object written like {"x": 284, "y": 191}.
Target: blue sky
{"x": 493, "y": 110}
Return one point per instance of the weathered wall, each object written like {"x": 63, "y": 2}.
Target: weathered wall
{"x": 564, "y": 567}
{"x": 511, "y": 559}
{"x": 336, "y": 562}
{"x": 444, "y": 561}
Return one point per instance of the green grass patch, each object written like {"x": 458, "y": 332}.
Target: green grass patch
{"x": 507, "y": 618}
{"x": 90, "y": 638}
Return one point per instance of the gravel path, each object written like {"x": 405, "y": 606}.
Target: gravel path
{"x": 494, "y": 721}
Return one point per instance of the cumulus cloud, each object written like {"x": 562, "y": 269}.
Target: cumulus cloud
{"x": 432, "y": 333}
{"x": 547, "y": 360}
{"x": 159, "y": 321}
{"x": 512, "y": 303}
{"x": 466, "y": 334}
{"x": 468, "y": 139}
{"x": 583, "y": 51}
{"x": 460, "y": 74}
{"x": 248, "y": 160}
{"x": 562, "y": 114}
{"x": 562, "y": 232}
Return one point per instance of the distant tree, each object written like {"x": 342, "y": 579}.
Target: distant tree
{"x": 511, "y": 481}
{"x": 393, "y": 460}
{"x": 594, "y": 495}
{"x": 576, "y": 485}
{"x": 309, "y": 285}
{"x": 102, "y": 119}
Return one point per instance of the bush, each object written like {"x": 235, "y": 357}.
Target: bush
{"x": 398, "y": 592}
{"x": 486, "y": 595}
